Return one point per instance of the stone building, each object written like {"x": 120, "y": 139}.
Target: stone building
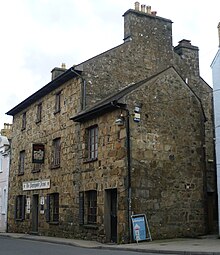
{"x": 4, "y": 173}
{"x": 216, "y": 86}
{"x": 127, "y": 132}
{"x": 7, "y": 130}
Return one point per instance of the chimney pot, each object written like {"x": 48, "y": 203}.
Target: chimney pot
{"x": 63, "y": 65}
{"x": 143, "y": 8}
{"x": 148, "y": 9}
{"x": 137, "y": 6}
{"x": 57, "y": 71}
{"x": 154, "y": 13}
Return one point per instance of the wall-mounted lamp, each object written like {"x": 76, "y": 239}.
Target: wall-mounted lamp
{"x": 120, "y": 121}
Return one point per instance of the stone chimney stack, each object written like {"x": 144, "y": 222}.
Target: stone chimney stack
{"x": 57, "y": 71}
{"x": 7, "y": 130}
{"x": 189, "y": 54}
{"x": 219, "y": 34}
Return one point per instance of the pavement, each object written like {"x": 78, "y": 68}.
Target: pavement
{"x": 205, "y": 245}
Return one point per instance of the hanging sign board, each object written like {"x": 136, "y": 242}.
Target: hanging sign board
{"x": 140, "y": 228}
{"x": 38, "y": 153}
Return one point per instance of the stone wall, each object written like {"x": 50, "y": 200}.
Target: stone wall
{"x": 169, "y": 163}
{"x": 51, "y": 126}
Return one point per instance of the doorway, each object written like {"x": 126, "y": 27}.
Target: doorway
{"x": 35, "y": 215}
{"x": 111, "y": 215}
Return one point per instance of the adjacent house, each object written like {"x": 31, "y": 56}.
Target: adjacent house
{"x": 127, "y": 132}
{"x": 4, "y": 173}
{"x": 216, "y": 87}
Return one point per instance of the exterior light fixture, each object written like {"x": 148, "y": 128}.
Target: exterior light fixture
{"x": 120, "y": 120}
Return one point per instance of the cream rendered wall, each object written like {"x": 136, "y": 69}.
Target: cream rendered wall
{"x": 4, "y": 174}
{"x": 216, "y": 95}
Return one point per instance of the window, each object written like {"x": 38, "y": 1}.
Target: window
{"x": 93, "y": 143}
{"x": 36, "y": 168}
{"x": 52, "y": 212}
{"x": 4, "y": 200}
{"x": 56, "y": 153}
{"x": 20, "y": 207}
{"x": 39, "y": 112}
{"x": 81, "y": 208}
{"x": 57, "y": 102}
{"x": 21, "y": 162}
{"x": 23, "y": 125}
{"x": 91, "y": 206}
{"x": 1, "y": 163}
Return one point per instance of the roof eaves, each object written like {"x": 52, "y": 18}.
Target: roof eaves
{"x": 43, "y": 91}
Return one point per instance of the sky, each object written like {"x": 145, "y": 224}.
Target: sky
{"x": 38, "y": 35}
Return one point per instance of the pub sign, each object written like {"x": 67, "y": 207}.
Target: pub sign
{"x": 38, "y": 153}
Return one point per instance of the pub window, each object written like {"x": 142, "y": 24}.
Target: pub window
{"x": 23, "y": 124}
{"x": 58, "y": 102}
{"x": 39, "y": 113}
{"x": 21, "y": 163}
{"x": 92, "y": 142}
{"x": 52, "y": 212}
{"x": 91, "y": 197}
{"x": 20, "y": 207}
{"x": 56, "y": 152}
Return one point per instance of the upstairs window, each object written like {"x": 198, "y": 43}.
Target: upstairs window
{"x": 93, "y": 143}
{"x": 56, "y": 152}
{"x": 23, "y": 124}
{"x": 57, "y": 102}
{"x": 39, "y": 113}
{"x": 21, "y": 163}
{"x": 52, "y": 212}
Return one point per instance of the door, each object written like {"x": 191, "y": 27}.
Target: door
{"x": 35, "y": 215}
{"x": 114, "y": 215}
{"x": 110, "y": 219}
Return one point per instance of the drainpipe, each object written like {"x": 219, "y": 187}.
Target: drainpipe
{"x": 128, "y": 148}
{"x": 83, "y": 101}
{"x": 127, "y": 125}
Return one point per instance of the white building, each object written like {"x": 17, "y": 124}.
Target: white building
{"x": 216, "y": 95}
{"x": 4, "y": 174}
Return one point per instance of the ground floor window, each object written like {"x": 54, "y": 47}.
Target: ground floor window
{"x": 52, "y": 214}
{"x": 88, "y": 207}
{"x": 20, "y": 207}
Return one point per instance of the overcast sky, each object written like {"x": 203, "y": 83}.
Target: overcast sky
{"x": 38, "y": 35}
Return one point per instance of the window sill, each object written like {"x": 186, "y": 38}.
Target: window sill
{"x": 53, "y": 222}
{"x": 38, "y": 121}
{"x": 19, "y": 174}
{"x": 57, "y": 111}
{"x": 89, "y": 160}
{"x": 90, "y": 226}
{"x": 55, "y": 167}
{"x": 36, "y": 171}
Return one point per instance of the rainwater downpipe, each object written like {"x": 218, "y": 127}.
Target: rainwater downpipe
{"x": 128, "y": 145}
{"x": 83, "y": 101}
{"x": 128, "y": 148}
